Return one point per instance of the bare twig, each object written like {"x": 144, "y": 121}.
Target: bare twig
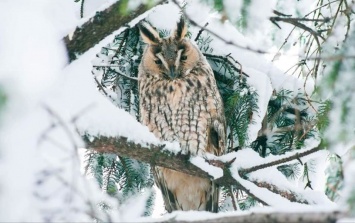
{"x": 234, "y": 200}
{"x": 291, "y": 20}
{"x": 117, "y": 72}
{"x": 280, "y": 161}
{"x": 200, "y": 32}
{"x": 124, "y": 39}
{"x": 101, "y": 88}
{"x": 227, "y": 59}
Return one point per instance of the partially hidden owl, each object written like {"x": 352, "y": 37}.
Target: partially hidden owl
{"x": 179, "y": 101}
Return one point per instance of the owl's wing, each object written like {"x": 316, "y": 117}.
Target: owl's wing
{"x": 216, "y": 142}
{"x": 217, "y": 136}
{"x": 168, "y": 197}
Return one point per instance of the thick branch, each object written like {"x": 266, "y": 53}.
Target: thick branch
{"x": 152, "y": 154}
{"x": 100, "y": 26}
{"x": 156, "y": 155}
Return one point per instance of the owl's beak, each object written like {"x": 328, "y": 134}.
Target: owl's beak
{"x": 172, "y": 72}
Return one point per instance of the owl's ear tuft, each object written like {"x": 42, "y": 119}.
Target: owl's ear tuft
{"x": 181, "y": 29}
{"x": 149, "y": 34}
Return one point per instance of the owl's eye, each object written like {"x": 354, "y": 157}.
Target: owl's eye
{"x": 157, "y": 61}
{"x": 183, "y": 57}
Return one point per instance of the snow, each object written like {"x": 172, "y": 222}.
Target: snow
{"x": 98, "y": 116}
{"x": 46, "y": 106}
{"x": 265, "y": 195}
{"x": 213, "y": 171}
{"x": 247, "y": 158}
{"x": 91, "y": 6}
{"x": 190, "y": 216}
{"x": 164, "y": 16}
{"x": 349, "y": 182}
{"x": 260, "y": 11}
{"x": 22, "y": 59}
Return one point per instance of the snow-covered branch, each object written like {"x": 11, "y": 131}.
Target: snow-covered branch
{"x": 99, "y": 27}
{"x": 280, "y": 161}
{"x": 160, "y": 155}
{"x": 260, "y": 217}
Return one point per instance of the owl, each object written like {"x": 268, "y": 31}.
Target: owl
{"x": 179, "y": 101}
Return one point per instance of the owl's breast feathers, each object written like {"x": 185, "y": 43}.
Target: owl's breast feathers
{"x": 188, "y": 110}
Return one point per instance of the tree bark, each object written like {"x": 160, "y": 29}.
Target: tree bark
{"x": 100, "y": 26}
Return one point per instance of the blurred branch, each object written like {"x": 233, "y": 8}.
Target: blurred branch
{"x": 215, "y": 34}
{"x": 275, "y": 217}
{"x": 200, "y": 32}
{"x": 100, "y": 26}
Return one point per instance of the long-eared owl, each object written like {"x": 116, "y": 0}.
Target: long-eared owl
{"x": 179, "y": 101}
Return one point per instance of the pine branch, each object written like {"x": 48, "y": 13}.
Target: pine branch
{"x": 156, "y": 155}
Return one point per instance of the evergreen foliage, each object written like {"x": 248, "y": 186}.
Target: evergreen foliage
{"x": 3, "y": 98}
{"x": 339, "y": 124}
{"x": 335, "y": 177}
{"x": 289, "y": 123}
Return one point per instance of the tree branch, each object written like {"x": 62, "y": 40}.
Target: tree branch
{"x": 156, "y": 155}
{"x": 100, "y": 26}
{"x": 215, "y": 34}
{"x": 275, "y": 217}
{"x": 280, "y": 161}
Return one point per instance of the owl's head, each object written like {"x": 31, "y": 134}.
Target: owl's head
{"x": 171, "y": 57}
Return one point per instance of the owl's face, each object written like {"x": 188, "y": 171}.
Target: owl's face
{"x": 169, "y": 58}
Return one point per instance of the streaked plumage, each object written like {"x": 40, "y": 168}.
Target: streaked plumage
{"x": 179, "y": 101}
